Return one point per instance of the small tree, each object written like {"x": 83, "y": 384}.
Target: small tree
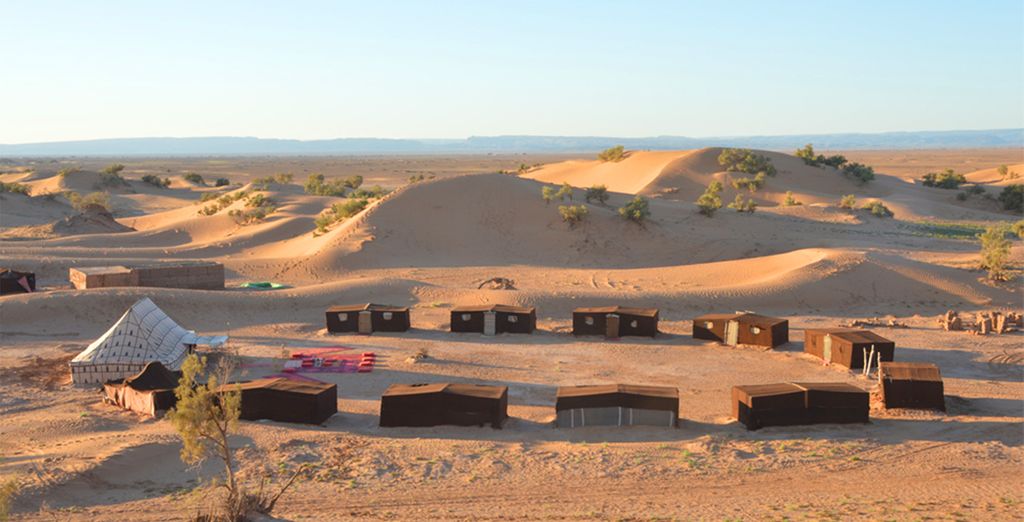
{"x": 741, "y": 205}
{"x": 877, "y": 209}
{"x": 573, "y": 214}
{"x": 848, "y": 201}
{"x": 353, "y": 182}
{"x": 597, "y": 193}
{"x": 564, "y": 192}
{"x": 636, "y": 210}
{"x": 947, "y": 179}
{"x": 113, "y": 169}
{"x": 1018, "y": 229}
{"x": 859, "y": 172}
{"x": 548, "y": 193}
{"x": 790, "y": 201}
{"x": 995, "y": 251}
{"x": 222, "y": 182}
{"x": 807, "y": 154}
{"x": 194, "y": 178}
{"x": 156, "y": 181}
{"x": 1003, "y": 171}
{"x": 1012, "y": 197}
{"x": 616, "y": 153}
{"x": 711, "y": 199}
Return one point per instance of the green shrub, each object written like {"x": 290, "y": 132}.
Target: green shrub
{"x": 1005, "y": 172}
{"x": 323, "y": 221}
{"x": 613, "y": 154}
{"x": 807, "y": 154}
{"x": 1012, "y": 197}
{"x": 80, "y": 202}
{"x": 353, "y": 182}
{"x": 283, "y": 179}
{"x": 746, "y": 161}
{"x": 548, "y": 193}
{"x": 15, "y": 188}
{"x": 946, "y": 179}
{"x": 318, "y": 186}
{"x": 750, "y": 184}
{"x": 416, "y": 179}
{"x": 859, "y": 172}
{"x": 9, "y": 489}
{"x": 848, "y": 201}
{"x": 564, "y": 192}
{"x": 995, "y": 251}
{"x": 113, "y": 169}
{"x": 962, "y": 196}
{"x": 598, "y": 193}
{"x": 573, "y": 214}
{"x": 374, "y": 192}
{"x": 636, "y": 210}
{"x": 349, "y": 208}
{"x": 67, "y": 171}
{"x": 711, "y": 199}
{"x": 194, "y": 178}
{"x": 877, "y": 209}
{"x": 221, "y": 182}
{"x": 790, "y": 201}
{"x": 1018, "y": 229}
{"x": 156, "y": 181}
{"x": 739, "y": 205}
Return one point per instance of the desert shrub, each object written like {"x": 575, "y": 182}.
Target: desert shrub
{"x": 565, "y": 191}
{"x": 750, "y": 184}
{"x": 208, "y": 196}
{"x": 878, "y": 209}
{"x": 1005, "y": 172}
{"x": 711, "y": 199}
{"x": 1012, "y": 197}
{"x": 836, "y": 161}
{"x": 353, "y": 182}
{"x": 67, "y": 171}
{"x": 156, "y": 181}
{"x": 614, "y": 154}
{"x": 9, "y": 489}
{"x": 222, "y": 182}
{"x": 523, "y": 168}
{"x": 318, "y": 186}
{"x": 1018, "y": 229}
{"x": 284, "y": 178}
{"x": 374, "y": 192}
{"x": 974, "y": 190}
{"x": 14, "y": 188}
{"x": 573, "y": 214}
{"x": 323, "y": 221}
{"x": 598, "y": 193}
{"x": 548, "y": 193}
{"x": 807, "y": 154}
{"x": 848, "y": 201}
{"x": 222, "y": 201}
{"x": 636, "y": 210}
{"x": 257, "y": 200}
{"x": 416, "y": 179}
{"x": 113, "y": 168}
{"x": 349, "y": 208}
{"x": 741, "y": 205}
{"x": 859, "y": 172}
{"x": 946, "y": 179}
{"x": 962, "y": 196}
{"x": 995, "y": 251}
{"x": 194, "y": 178}
{"x": 790, "y": 201}
{"x": 746, "y": 161}
{"x": 80, "y": 202}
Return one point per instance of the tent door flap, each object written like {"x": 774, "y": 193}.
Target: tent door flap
{"x": 611, "y": 329}
{"x": 490, "y": 323}
{"x": 365, "y": 322}
{"x": 732, "y": 333}
{"x": 826, "y": 352}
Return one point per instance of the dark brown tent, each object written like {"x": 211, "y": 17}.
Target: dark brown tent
{"x": 494, "y": 319}
{"x": 911, "y": 385}
{"x": 788, "y": 404}
{"x": 420, "y": 405}
{"x": 15, "y": 282}
{"x": 846, "y": 346}
{"x": 742, "y": 328}
{"x": 615, "y": 321}
{"x": 616, "y": 405}
{"x": 286, "y": 400}
{"x": 367, "y": 318}
{"x": 151, "y": 391}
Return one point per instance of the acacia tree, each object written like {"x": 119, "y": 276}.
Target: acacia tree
{"x": 995, "y": 251}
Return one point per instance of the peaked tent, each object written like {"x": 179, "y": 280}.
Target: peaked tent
{"x": 15, "y": 282}
{"x": 143, "y": 334}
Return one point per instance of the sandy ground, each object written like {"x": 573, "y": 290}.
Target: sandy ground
{"x": 430, "y": 244}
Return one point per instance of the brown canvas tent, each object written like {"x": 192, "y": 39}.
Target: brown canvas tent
{"x": 616, "y": 405}
{"x": 788, "y": 404}
{"x": 911, "y": 385}
{"x": 421, "y": 405}
{"x": 847, "y": 346}
{"x": 15, "y": 282}
{"x": 286, "y": 400}
{"x": 367, "y": 318}
{"x": 615, "y": 321}
{"x": 494, "y": 319}
{"x": 151, "y": 391}
{"x": 742, "y": 328}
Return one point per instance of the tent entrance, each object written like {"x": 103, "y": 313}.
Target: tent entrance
{"x": 732, "y": 333}
{"x": 490, "y": 323}
{"x": 826, "y": 351}
{"x": 365, "y": 322}
{"x": 611, "y": 326}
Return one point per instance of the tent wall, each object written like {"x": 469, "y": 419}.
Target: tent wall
{"x": 589, "y": 323}
{"x": 389, "y": 321}
{"x": 788, "y": 404}
{"x": 709, "y": 329}
{"x": 101, "y": 373}
{"x": 10, "y": 282}
{"x": 845, "y": 352}
{"x": 288, "y": 406}
{"x": 435, "y": 409}
{"x": 467, "y": 322}
{"x": 912, "y": 385}
{"x": 637, "y": 325}
{"x": 342, "y": 322}
{"x": 510, "y": 322}
{"x": 613, "y": 416}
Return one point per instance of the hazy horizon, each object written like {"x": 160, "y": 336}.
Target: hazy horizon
{"x": 322, "y": 70}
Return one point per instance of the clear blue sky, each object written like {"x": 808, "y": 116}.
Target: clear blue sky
{"x": 101, "y": 69}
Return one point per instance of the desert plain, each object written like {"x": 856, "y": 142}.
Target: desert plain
{"x": 430, "y": 243}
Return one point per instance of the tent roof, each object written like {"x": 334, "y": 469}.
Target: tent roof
{"x": 509, "y": 309}
{"x": 743, "y": 317}
{"x": 622, "y": 310}
{"x": 631, "y": 389}
{"x": 852, "y": 335}
{"x": 143, "y": 334}
{"x": 368, "y": 306}
{"x": 469, "y": 390}
{"x": 280, "y": 384}
{"x": 909, "y": 371}
{"x": 155, "y": 376}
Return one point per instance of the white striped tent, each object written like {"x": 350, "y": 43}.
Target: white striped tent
{"x": 143, "y": 334}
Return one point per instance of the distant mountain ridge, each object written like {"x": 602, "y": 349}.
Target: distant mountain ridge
{"x": 227, "y": 146}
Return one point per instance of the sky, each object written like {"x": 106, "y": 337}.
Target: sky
{"x": 313, "y": 70}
